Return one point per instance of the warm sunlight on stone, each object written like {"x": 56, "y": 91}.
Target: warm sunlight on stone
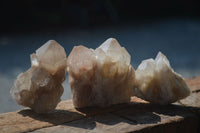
{"x": 40, "y": 87}
{"x": 100, "y": 77}
{"x": 157, "y": 82}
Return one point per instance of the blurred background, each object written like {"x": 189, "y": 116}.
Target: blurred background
{"x": 143, "y": 27}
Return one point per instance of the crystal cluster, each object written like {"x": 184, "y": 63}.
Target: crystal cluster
{"x": 100, "y": 77}
{"x": 157, "y": 82}
{"x": 40, "y": 87}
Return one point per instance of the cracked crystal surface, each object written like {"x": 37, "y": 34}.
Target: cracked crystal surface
{"x": 100, "y": 77}
{"x": 157, "y": 82}
{"x": 40, "y": 87}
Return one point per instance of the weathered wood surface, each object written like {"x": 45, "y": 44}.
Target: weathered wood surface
{"x": 138, "y": 116}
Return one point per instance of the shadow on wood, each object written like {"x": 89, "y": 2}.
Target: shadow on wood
{"x": 52, "y": 117}
{"x": 140, "y": 117}
{"x": 137, "y": 116}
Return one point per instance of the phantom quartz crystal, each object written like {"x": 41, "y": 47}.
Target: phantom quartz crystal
{"x": 156, "y": 81}
{"x": 100, "y": 77}
{"x": 40, "y": 87}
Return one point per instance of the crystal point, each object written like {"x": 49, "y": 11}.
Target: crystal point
{"x": 158, "y": 83}
{"x": 52, "y": 56}
{"x": 40, "y": 87}
{"x": 100, "y": 77}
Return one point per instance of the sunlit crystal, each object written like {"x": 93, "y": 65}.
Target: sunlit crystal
{"x": 100, "y": 77}
{"x": 157, "y": 82}
{"x": 40, "y": 87}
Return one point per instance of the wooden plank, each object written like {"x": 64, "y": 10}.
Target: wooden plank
{"x": 26, "y": 120}
{"x": 137, "y": 118}
{"x": 153, "y": 118}
{"x": 100, "y": 123}
{"x": 192, "y": 101}
{"x": 194, "y": 83}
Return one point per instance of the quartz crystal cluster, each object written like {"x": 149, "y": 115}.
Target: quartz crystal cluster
{"x": 100, "y": 77}
{"x": 40, "y": 87}
{"x": 157, "y": 82}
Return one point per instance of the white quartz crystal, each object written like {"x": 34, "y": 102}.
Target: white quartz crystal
{"x": 100, "y": 77}
{"x": 157, "y": 82}
{"x": 40, "y": 87}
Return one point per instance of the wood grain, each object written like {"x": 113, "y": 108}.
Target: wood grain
{"x": 138, "y": 115}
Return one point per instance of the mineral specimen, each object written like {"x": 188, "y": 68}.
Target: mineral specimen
{"x": 100, "y": 77}
{"x": 40, "y": 87}
{"x": 156, "y": 82}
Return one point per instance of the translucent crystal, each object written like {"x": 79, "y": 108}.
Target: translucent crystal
{"x": 52, "y": 57}
{"x": 102, "y": 76}
{"x": 157, "y": 82}
{"x": 40, "y": 87}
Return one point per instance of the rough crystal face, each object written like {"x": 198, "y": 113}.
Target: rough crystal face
{"x": 157, "y": 82}
{"x": 40, "y": 87}
{"x": 102, "y": 76}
